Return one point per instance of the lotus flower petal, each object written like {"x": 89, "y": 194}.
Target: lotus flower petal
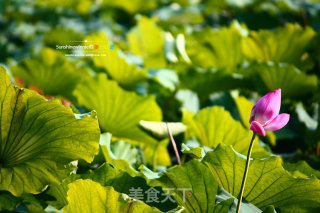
{"x": 257, "y": 128}
{"x": 267, "y": 107}
{"x": 278, "y": 122}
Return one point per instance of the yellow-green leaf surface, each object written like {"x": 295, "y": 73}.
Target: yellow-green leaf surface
{"x": 301, "y": 169}
{"x": 114, "y": 61}
{"x": 292, "y": 81}
{"x": 216, "y": 48}
{"x": 285, "y": 44}
{"x": 192, "y": 185}
{"x": 50, "y": 72}
{"x": 212, "y": 126}
{"x": 122, "y": 182}
{"x": 147, "y": 39}
{"x": 195, "y": 188}
{"x": 267, "y": 183}
{"x": 120, "y": 164}
{"x": 8, "y": 201}
{"x": 119, "y": 111}
{"x": 160, "y": 129}
{"x": 90, "y": 197}
{"x": 59, "y": 191}
{"x": 39, "y": 138}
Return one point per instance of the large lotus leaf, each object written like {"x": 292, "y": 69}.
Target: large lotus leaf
{"x": 8, "y": 201}
{"x": 243, "y": 106}
{"x": 122, "y": 182}
{"x": 212, "y": 126}
{"x": 39, "y": 138}
{"x": 192, "y": 185}
{"x": 32, "y": 203}
{"x": 195, "y": 188}
{"x": 216, "y": 48}
{"x": 147, "y": 39}
{"x": 292, "y": 81}
{"x": 90, "y": 197}
{"x": 267, "y": 183}
{"x": 158, "y": 155}
{"x": 226, "y": 197}
{"x": 115, "y": 63}
{"x": 50, "y": 72}
{"x": 119, "y": 111}
{"x": 285, "y": 44}
{"x": 108, "y": 175}
{"x": 59, "y": 191}
{"x": 301, "y": 169}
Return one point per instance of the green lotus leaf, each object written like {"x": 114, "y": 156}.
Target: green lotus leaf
{"x": 293, "y": 82}
{"x": 90, "y": 197}
{"x": 267, "y": 182}
{"x": 59, "y": 191}
{"x": 158, "y": 155}
{"x": 123, "y": 182}
{"x": 227, "y": 200}
{"x": 195, "y": 188}
{"x": 285, "y": 44}
{"x": 121, "y": 164}
{"x": 160, "y": 130}
{"x": 115, "y": 63}
{"x": 304, "y": 117}
{"x": 301, "y": 169}
{"x": 32, "y": 203}
{"x": 119, "y": 111}
{"x": 8, "y": 201}
{"x": 50, "y": 72}
{"x": 147, "y": 39}
{"x": 192, "y": 185}
{"x": 216, "y": 48}
{"x": 212, "y": 126}
{"x": 39, "y": 138}
{"x": 126, "y": 151}
{"x": 194, "y": 152}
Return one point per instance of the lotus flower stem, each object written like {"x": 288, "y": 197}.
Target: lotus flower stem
{"x": 173, "y": 144}
{"x": 245, "y": 172}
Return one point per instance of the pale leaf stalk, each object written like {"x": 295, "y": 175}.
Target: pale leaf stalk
{"x": 173, "y": 144}
{"x": 245, "y": 173}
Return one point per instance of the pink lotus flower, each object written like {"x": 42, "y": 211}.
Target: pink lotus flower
{"x": 265, "y": 114}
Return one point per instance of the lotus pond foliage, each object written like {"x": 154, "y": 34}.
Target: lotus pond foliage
{"x": 84, "y": 129}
